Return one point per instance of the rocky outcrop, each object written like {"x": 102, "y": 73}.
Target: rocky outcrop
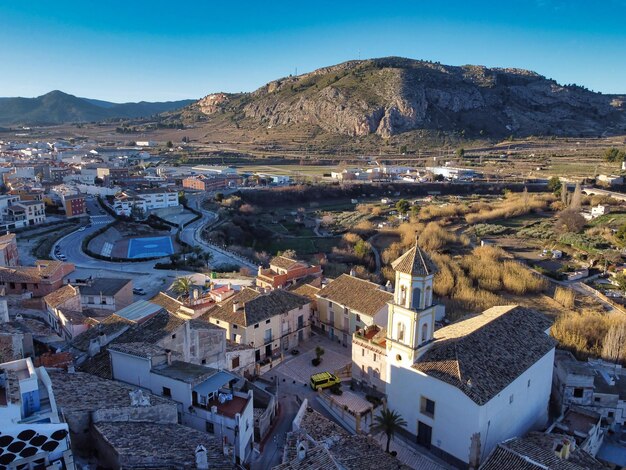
{"x": 393, "y": 95}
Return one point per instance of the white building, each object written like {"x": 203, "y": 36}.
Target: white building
{"x": 144, "y": 200}
{"x": 453, "y": 173}
{"x": 487, "y": 377}
{"x": 599, "y": 210}
{"x": 32, "y": 435}
{"x": 206, "y": 400}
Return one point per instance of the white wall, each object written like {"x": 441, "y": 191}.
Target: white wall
{"x": 131, "y": 369}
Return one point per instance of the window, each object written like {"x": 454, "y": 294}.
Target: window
{"x": 234, "y": 326}
{"x": 424, "y": 332}
{"x": 235, "y": 362}
{"x": 362, "y": 352}
{"x": 217, "y": 322}
{"x": 203, "y": 361}
{"x": 166, "y": 392}
{"x": 610, "y": 414}
{"x": 210, "y": 428}
{"x": 358, "y": 317}
{"x": 511, "y": 398}
{"x": 256, "y": 326}
{"x": 400, "y": 331}
{"x": 267, "y": 321}
{"x": 174, "y": 336}
{"x": 578, "y": 393}
{"x": 374, "y": 357}
{"x": 596, "y": 399}
{"x": 330, "y": 304}
{"x": 528, "y": 383}
{"x": 427, "y": 407}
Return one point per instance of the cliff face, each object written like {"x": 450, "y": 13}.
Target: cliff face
{"x": 393, "y": 95}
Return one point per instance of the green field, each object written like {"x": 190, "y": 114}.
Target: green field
{"x": 287, "y": 170}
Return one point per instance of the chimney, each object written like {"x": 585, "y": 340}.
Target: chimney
{"x": 102, "y": 339}
{"x": 235, "y": 306}
{"x": 352, "y": 272}
{"x": 202, "y": 462}
{"x": 260, "y": 271}
{"x": 71, "y": 369}
{"x": 168, "y": 355}
{"x": 302, "y": 448}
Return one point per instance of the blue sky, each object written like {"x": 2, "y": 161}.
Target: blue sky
{"x": 165, "y": 50}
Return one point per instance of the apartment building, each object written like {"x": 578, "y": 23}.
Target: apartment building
{"x": 40, "y": 280}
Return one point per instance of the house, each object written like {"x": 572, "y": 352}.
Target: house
{"x": 584, "y": 426}
{"x": 486, "y": 378}
{"x": 212, "y": 183}
{"x": 75, "y": 206}
{"x": 349, "y": 303}
{"x": 595, "y": 385}
{"x": 126, "y": 427}
{"x": 599, "y": 210}
{"x": 106, "y": 293}
{"x": 540, "y": 451}
{"x": 65, "y": 312}
{"x": 144, "y": 200}
{"x": 26, "y": 213}
{"x": 271, "y": 322}
{"x": 9, "y": 255}
{"x": 33, "y": 434}
{"x": 220, "y": 294}
{"x": 284, "y": 271}
{"x": 40, "y": 280}
{"x": 315, "y": 442}
{"x": 205, "y": 397}
{"x": 610, "y": 180}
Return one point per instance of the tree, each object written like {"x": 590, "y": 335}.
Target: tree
{"x": 362, "y": 248}
{"x": 389, "y": 422}
{"x": 614, "y": 344}
{"x": 621, "y": 232}
{"x": 169, "y": 144}
{"x": 554, "y": 184}
{"x": 291, "y": 254}
{"x": 570, "y": 221}
{"x": 207, "y": 256}
{"x": 620, "y": 280}
{"x": 182, "y": 286}
{"x": 219, "y": 197}
{"x": 577, "y": 198}
{"x": 403, "y": 206}
{"x": 460, "y": 152}
{"x": 614, "y": 155}
{"x": 182, "y": 198}
{"x": 137, "y": 213}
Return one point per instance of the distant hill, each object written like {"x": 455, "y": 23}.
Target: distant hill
{"x": 394, "y": 96}
{"x": 57, "y": 107}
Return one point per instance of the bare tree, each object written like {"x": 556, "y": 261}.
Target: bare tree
{"x": 614, "y": 344}
{"x": 570, "y": 221}
{"x": 564, "y": 194}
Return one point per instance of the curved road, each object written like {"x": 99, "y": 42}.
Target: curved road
{"x": 71, "y": 245}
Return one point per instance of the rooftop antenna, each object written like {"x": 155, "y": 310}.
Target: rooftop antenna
{"x": 296, "y": 72}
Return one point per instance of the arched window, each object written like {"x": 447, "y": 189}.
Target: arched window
{"x": 424, "y": 332}
{"x": 402, "y": 295}
{"x": 400, "y": 331}
{"x": 428, "y": 297}
{"x": 417, "y": 294}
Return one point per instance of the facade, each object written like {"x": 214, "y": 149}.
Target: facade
{"x": 347, "y": 304}
{"x": 75, "y": 206}
{"x": 40, "y": 280}
{"x": 25, "y": 213}
{"x": 270, "y": 323}
{"x": 284, "y": 272}
{"x": 596, "y": 385}
{"x": 206, "y": 400}
{"x": 468, "y": 385}
{"x": 33, "y": 435}
{"x": 214, "y": 183}
{"x": 106, "y": 293}
{"x": 65, "y": 312}
{"x": 9, "y": 255}
{"x": 144, "y": 200}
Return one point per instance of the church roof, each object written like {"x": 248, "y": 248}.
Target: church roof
{"x": 415, "y": 262}
{"x": 484, "y": 354}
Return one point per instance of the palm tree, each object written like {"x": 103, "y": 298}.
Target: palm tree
{"x": 389, "y": 422}
{"x": 182, "y": 286}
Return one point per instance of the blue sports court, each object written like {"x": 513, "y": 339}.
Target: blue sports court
{"x": 150, "y": 247}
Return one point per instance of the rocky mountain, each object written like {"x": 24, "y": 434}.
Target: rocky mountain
{"x": 391, "y": 96}
{"x": 57, "y": 107}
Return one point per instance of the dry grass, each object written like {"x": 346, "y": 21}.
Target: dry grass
{"x": 513, "y": 206}
{"x": 566, "y": 297}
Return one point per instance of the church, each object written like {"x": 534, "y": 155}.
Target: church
{"x": 462, "y": 388}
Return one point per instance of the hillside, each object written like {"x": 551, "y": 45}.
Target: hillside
{"x": 57, "y": 107}
{"x": 392, "y": 96}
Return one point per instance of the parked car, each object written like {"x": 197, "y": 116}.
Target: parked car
{"x": 139, "y": 291}
{"x": 82, "y": 229}
{"x": 324, "y": 380}
{"x": 62, "y": 257}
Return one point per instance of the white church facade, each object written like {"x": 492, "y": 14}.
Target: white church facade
{"x": 465, "y": 387}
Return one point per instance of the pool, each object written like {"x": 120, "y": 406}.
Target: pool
{"x": 150, "y": 247}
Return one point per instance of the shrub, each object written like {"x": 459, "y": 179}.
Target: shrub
{"x": 565, "y": 296}
{"x": 336, "y": 389}
{"x": 316, "y": 361}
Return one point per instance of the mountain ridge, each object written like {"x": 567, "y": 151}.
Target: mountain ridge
{"x": 57, "y": 107}
{"x": 393, "y": 95}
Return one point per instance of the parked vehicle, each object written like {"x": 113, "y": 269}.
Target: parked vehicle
{"x": 323, "y": 380}
{"x": 139, "y": 291}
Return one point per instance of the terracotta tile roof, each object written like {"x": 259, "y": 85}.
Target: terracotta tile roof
{"x": 283, "y": 262}
{"x": 255, "y": 307}
{"x": 362, "y": 296}
{"x": 350, "y": 452}
{"x": 61, "y": 295}
{"x": 109, "y": 326}
{"x": 484, "y": 354}
{"x": 415, "y": 262}
{"x": 99, "y": 365}
{"x": 306, "y": 290}
{"x": 163, "y": 446}
{"x": 162, "y": 325}
{"x": 42, "y": 270}
{"x": 536, "y": 452}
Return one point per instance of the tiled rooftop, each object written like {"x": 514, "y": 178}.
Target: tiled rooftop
{"x": 185, "y": 372}
{"x": 61, "y": 295}
{"x": 104, "y": 286}
{"x": 361, "y": 296}
{"x": 415, "y": 262}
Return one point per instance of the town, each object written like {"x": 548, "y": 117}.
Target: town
{"x": 127, "y": 313}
